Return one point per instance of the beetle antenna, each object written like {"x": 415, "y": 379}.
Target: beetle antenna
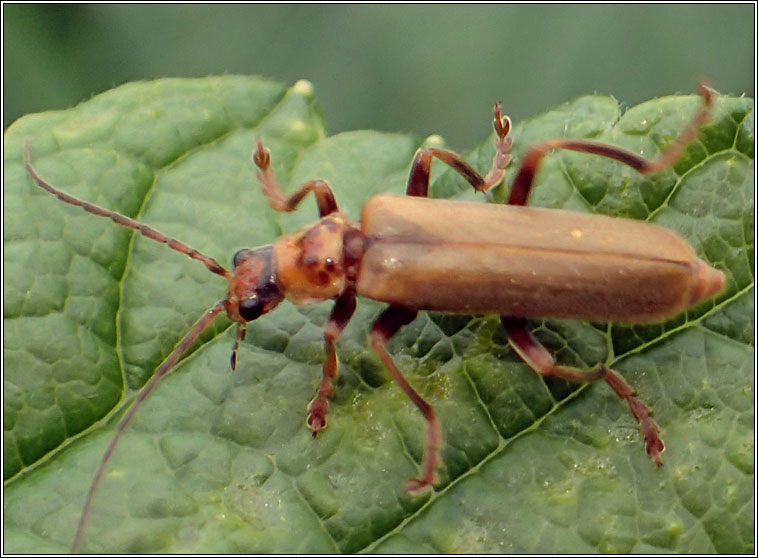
{"x": 122, "y": 220}
{"x": 162, "y": 370}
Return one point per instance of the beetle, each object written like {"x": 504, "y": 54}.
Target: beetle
{"x": 511, "y": 260}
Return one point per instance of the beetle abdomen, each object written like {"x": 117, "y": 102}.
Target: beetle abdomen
{"x": 519, "y": 261}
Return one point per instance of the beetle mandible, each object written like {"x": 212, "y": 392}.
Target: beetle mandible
{"x": 511, "y": 260}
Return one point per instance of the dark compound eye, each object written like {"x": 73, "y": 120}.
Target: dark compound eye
{"x": 242, "y": 255}
{"x": 250, "y": 309}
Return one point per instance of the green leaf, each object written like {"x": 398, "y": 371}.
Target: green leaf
{"x": 221, "y": 462}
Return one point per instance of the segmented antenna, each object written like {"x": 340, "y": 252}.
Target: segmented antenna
{"x": 144, "y": 230}
{"x": 178, "y": 351}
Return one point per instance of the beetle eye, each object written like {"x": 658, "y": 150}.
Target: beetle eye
{"x": 242, "y": 255}
{"x": 250, "y": 309}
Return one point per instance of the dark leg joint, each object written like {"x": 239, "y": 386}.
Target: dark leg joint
{"x": 391, "y": 320}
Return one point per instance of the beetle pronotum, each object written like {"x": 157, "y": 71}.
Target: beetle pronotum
{"x": 510, "y": 260}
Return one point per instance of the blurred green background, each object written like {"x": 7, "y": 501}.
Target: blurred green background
{"x": 418, "y": 68}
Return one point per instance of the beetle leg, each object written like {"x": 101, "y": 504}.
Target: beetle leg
{"x": 324, "y": 196}
{"x": 386, "y": 325}
{"x": 238, "y": 338}
{"x": 537, "y": 357}
{"x": 418, "y": 181}
{"x": 319, "y": 406}
{"x": 522, "y": 184}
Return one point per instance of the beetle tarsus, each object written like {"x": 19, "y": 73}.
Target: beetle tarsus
{"x": 325, "y": 199}
{"x": 318, "y": 408}
{"x": 316, "y": 420}
{"x": 386, "y": 325}
{"x": 641, "y": 412}
{"x": 261, "y": 156}
{"x": 502, "y": 124}
{"x": 502, "y": 157}
{"x": 417, "y": 486}
{"x": 431, "y": 457}
{"x": 418, "y": 181}
{"x": 539, "y": 359}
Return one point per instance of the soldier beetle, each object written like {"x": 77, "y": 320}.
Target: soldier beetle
{"x": 417, "y": 253}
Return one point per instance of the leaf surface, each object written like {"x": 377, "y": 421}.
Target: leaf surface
{"x": 221, "y": 462}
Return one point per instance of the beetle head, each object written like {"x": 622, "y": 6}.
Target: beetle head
{"x": 252, "y": 286}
